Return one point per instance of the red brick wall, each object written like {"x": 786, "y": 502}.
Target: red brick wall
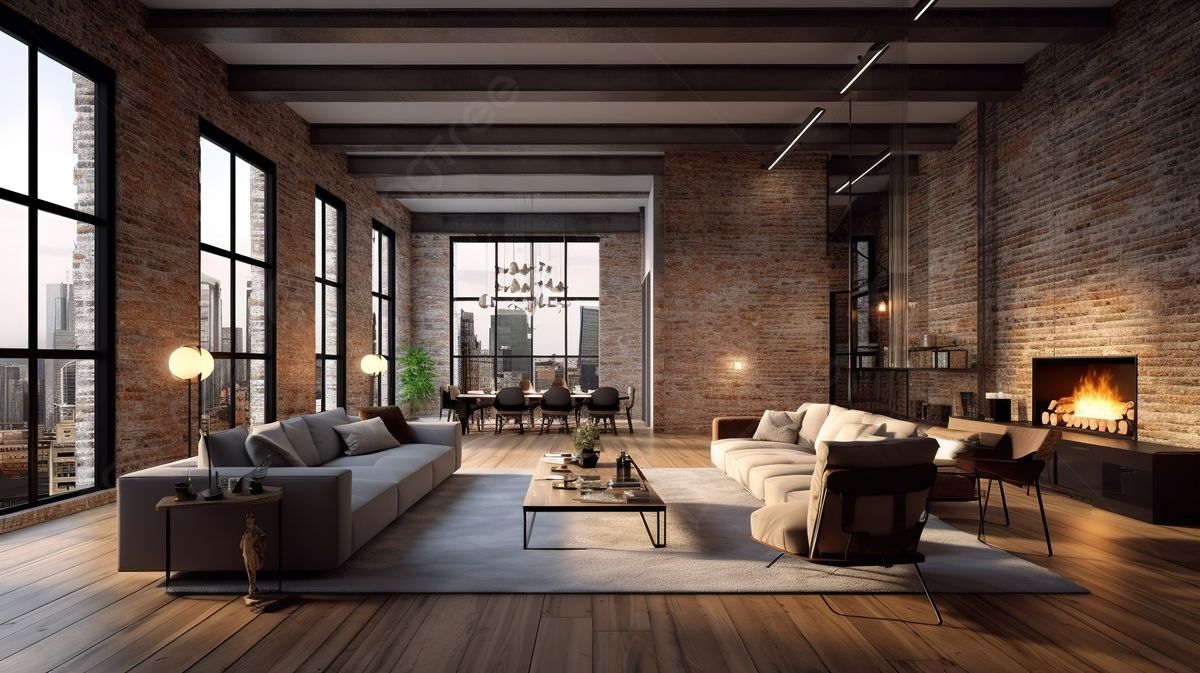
{"x": 746, "y": 277}
{"x": 942, "y": 269}
{"x": 1095, "y": 177}
{"x": 162, "y": 92}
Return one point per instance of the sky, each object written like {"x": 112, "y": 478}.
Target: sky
{"x": 56, "y": 117}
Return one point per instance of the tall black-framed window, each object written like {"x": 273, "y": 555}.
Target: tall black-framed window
{"x": 540, "y": 318}
{"x": 237, "y": 281}
{"x": 57, "y": 219}
{"x": 383, "y": 308}
{"x": 330, "y": 300}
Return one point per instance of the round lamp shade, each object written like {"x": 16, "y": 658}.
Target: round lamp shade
{"x": 373, "y": 364}
{"x": 184, "y": 362}
{"x": 206, "y": 364}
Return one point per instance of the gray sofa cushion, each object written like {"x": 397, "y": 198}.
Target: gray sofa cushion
{"x": 302, "y": 442}
{"x": 369, "y": 436}
{"x": 325, "y": 438}
{"x": 262, "y": 448}
{"x": 226, "y": 448}
{"x": 441, "y": 457}
{"x": 374, "y": 505}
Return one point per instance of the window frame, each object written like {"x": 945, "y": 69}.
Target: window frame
{"x": 239, "y": 150}
{"x": 533, "y": 357}
{"x": 328, "y": 199}
{"x": 40, "y": 41}
{"x": 387, "y": 236}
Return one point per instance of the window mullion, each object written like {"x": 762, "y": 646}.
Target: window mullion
{"x": 32, "y": 275}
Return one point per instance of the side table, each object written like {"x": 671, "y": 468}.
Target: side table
{"x": 270, "y": 494}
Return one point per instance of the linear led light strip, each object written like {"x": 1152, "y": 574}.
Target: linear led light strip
{"x": 882, "y": 158}
{"x": 873, "y": 55}
{"x": 924, "y": 8}
{"x": 812, "y": 119}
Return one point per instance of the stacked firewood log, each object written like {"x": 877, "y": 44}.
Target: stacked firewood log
{"x": 1061, "y": 412}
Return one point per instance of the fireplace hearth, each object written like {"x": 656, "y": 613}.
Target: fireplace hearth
{"x": 1091, "y": 394}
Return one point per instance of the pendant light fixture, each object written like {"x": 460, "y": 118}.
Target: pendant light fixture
{"x": 872, "y": 55}
{"x": 879, "y": 161}
{"x": 812, "y": 119}
{"x": 924, "y": 6}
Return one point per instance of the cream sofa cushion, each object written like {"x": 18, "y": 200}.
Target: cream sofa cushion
{"x": 815, "y": 414}
{"x": 783, "y": 527}
{"x": 722, "y": 449}
{"x": 892, "y": 428}
{"x": 838, "y": 417}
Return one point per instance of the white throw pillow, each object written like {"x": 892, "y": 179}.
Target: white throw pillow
{"x": 366, "y": 436}
{"x": 778, "y": 426}
{"x": 852, "y": 431}
{"x": 838, "y": 416}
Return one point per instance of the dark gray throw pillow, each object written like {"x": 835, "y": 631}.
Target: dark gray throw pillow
{"x": 261, "y": 448}
{"x": 366, "y": 436}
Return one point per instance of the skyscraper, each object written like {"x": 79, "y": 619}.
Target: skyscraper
{"x": 468, "y": 349}
{"x": 60, "y": 334}
{"x": 14, "y": 390}
{"x": 510, "y": 329}
{"x": 589, "y": 347}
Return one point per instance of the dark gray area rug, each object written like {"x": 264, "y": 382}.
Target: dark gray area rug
{"x": 465, "y": 537}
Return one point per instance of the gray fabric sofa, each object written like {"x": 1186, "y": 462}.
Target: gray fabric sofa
{"x": 777, "y": 472}
{"x": 331, "y": 507}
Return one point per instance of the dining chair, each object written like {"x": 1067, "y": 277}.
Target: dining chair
{"x": 631, "y": 393}
{"x": 510, "y": 407}
{"x": 604, "y": 404}
{"x": 449, "y": 402}
{"x": 556, "y": 406}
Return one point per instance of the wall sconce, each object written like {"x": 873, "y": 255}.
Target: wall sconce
{"x": 738, "y": 365}
{"x": 883, "y": 306}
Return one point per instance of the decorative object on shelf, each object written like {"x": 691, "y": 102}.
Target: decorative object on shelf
{"x": 183, "y": 491}
{"x": 188, "y": 363}
{"x": 416, "y": 377}
{"x": 624, "y": 468}
{"x": 998, "y": 407}
{"x": 253, "y": 478}
{"x": 586, "y": 437}
{"x": 969, "y": 407}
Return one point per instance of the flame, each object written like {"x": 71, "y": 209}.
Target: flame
{"x": 1096, "y": 396}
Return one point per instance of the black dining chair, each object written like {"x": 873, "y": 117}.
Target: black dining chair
{"x": 510, "y": 407}
{"x": 630, "y": 393}
{"x": 449, "y": 402}
{"x": 605, "y": 404}
{"x": 556, "y": 406}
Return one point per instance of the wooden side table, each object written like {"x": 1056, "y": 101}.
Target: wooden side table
{"x": 270, "y": 494}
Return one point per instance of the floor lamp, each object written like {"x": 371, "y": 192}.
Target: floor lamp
{"x": 374, "y": 364}
{"x": 190, "y": 363}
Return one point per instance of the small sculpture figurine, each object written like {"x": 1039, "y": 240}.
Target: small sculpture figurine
{"x": 253, "y": 553}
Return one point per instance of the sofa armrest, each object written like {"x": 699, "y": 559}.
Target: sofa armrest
{"x": 440, "y": 432}
{"x": 729, "y": 427}
{"x": 316, "y": 520}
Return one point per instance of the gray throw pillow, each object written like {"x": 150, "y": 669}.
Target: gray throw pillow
{"x": 778, "y": 426}
{"x": 261, "y": 448}
{"x": 366, "y": 436}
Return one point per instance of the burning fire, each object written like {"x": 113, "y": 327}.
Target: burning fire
{"x": 1096, "y": 396}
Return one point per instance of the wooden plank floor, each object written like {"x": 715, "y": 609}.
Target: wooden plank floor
{"x": 64, "y": 608}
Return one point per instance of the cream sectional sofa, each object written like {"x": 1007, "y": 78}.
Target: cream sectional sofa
{"x": 331, "y": 507}
{"x": 776, "y": 472}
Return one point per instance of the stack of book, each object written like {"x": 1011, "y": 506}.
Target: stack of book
{"x": 624, "y": 483}
{"x": 638, "y": 495}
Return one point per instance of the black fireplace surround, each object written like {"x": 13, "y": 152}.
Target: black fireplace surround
{"x": 1056, "y": 377}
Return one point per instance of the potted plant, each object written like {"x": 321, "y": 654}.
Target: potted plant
{"x": 416, "y": 377}
{"x": 586, "y": 437}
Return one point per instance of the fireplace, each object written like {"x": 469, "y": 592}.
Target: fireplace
{"x": 1091, "y": 394}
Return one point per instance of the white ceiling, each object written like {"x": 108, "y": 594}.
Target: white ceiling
{"x": 532, "y": 204}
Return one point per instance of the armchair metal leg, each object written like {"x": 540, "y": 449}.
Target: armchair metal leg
{"x": 1003, "y": 501}
{"x": 629, "y": 420}
{"x": 775, "y": 559}
{"x": 1045, "y": 527}
{"x": 928, "y": 596}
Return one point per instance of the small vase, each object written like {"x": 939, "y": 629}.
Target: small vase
{"x": 587, "y": 459}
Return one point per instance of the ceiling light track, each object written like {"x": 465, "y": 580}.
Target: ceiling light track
{"x": 812, "y": 119}
{"x": 922, "y": 7}
{"x": 878, "y": 162}
{"x": 864, "y": 64}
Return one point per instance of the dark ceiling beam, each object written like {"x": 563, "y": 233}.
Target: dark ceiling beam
{"x": 443, "y": 140}
{"x": 620, "y": 83}
{"x": 627, "y": 25}
{"x": 525, "y": 223}
{"x": 505, "y": 194}
{"x": 842, "y": 166}
{"x": 424, "y": 166}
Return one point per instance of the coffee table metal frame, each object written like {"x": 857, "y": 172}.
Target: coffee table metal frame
{"x": 566, "y": 503}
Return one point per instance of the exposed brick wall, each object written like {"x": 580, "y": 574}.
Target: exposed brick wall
{"x": 942, "y": 238}
{"x": 746, "y": 277}
{"x": 1095, "y": 177}
{"x": 162, "y": 92}
{"x": 620, "y": 306}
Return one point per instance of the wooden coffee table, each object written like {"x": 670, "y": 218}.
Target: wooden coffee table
{"x": 543, "y": 497}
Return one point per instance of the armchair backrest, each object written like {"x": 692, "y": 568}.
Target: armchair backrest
{"x": 557, "y": 399}
{"x": 631, "y": 393}
{"x": 868, "y": 498}
{"x": 605, "y": 398}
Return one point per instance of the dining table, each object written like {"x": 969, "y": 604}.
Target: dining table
{"x": 466, "y": 406}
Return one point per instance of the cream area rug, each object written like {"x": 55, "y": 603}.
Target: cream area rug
{"x": 465, "y": 537}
